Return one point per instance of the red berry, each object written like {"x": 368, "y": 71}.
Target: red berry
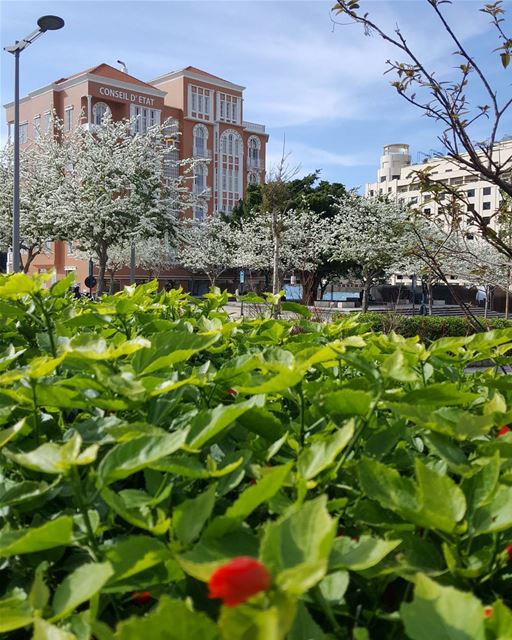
{"x": 504, "y": 430}
{"x": 509, "y": 552}
{"x": 238, "y": 580}
{"x": 141, "y": 597}
{"x": 232, "y": 392}
{"x": 487, "y": 612}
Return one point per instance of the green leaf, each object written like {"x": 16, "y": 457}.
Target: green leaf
{"x": 129, "y": 457}
{"x": 170, "y": 620}
{"x": 439, "y": 393}
{"x": 443, "y": 613}
{"x": 348, "y": 402}
{"x": 80, "y": 586}
{"x": 442, "y": 502}
{"x": 324, "y": 451}
{"x": 249, "y": 500}
{"x": 45, "y": 631}
{"x": 171, "y": 348}
{"x": 39, "y": 593}
{"x": 56, "y": 533}
{"x": 250, "y": 623}
{"x": 334, "y": 586}
{"x": 396, "y": 367}
{"x": 135, "y": 554}
{"x": 495, "y": 516}
{"x": 304, "y": 627}
{"x": 190, "y": 516}
{"x": 61, "y": 286}
{"x": 208, "y": 424}
{"x": 294, "y": 307}
{"x": 15, "y": 611}
{"x": 296, "y": 547}
{"x": 358, "y": 555}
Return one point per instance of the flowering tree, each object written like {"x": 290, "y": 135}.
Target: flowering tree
{"x": 374, "y": 236}
{"x": 116, "y": 190}
{"x": 207, "y": 246}
{"x": 303, "y": 237}
{"x": 42, "y": 170}
{"x": 152, "y": 254}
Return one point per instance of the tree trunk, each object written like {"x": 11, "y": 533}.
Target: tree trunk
{"x": 112, "y": 273}
{"x": 102, "y": 267}
{"x": 31, "y": 256}
{"x": 507, "y": 295}
{"x": 366, "y": 294}
{"x": 429, "y": 294}
{"x": 275, "y": 258}
{"x": 308, "y": 288}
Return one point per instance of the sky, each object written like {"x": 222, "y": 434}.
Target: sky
{"x": 317, "y": 84}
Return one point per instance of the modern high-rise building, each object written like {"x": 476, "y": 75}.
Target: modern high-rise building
{"x": 397, "y": 179}
{"x": 208, "y": 112}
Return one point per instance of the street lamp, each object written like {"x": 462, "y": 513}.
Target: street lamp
{"x": 45, "y": 23}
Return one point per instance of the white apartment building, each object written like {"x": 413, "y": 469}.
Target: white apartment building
{"x": 396, "y": 178}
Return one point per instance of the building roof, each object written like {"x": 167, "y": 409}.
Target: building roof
{"x": 106, "y": 70}
{"x": 194, "y": 72}
{"x": 203, "y": 73}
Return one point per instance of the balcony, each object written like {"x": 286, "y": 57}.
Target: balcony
{"x": 202, "y": 153}
{"x": 204, "y": 194}
{"x": 254, "y": 163}
{"x": 253, "y": 127}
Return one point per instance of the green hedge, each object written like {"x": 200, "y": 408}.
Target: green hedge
{"x": 428, "y": 327}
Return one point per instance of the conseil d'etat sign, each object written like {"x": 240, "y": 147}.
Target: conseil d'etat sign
{"x": 121, "y": 94}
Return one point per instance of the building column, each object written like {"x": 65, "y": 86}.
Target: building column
{"x": 89, "y": 109}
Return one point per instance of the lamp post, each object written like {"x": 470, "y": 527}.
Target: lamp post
{"x": 45, "y": 23}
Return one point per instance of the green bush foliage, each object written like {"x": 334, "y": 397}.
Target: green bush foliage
{"x": 428, "y": 327}
{"x": 150, "y": 445}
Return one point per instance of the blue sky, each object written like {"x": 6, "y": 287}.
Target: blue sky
{"x": 319, "y": 85}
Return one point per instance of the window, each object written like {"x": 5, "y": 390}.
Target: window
{"x": 230, "y": 162}
{"x": 396, "y": 177}
{"x": 389, "y": 189}
{"x": 68, "y": 119}
{"x": 399, "y": 277}
{"x": 253, "y": 178}
{"x": 47, "y": 121}
{"x": 199, "y": 212}
{"x": 200, "y": 141}
{"x": 37, "y": 126}
{"x": 171, "y": 164}
{"x": 383, "y": 178}
{"x": 200, "y": 103}
{"x": 253, "y": 147}
{"x": 24, "y": 133}
{"x": 99, "y": 111}
{"x": 486, "y": 220}
{"x": 200, "y": 174}
{"x": 486, "y": 206}
{"x": 143, "y": 119}
{"x": 427, "y": 210}
{"x": 414, "y": 200}
{"x": 228, "y": 108}
{"x": 70, "y": 249}
{"x": 470, "y": 193}
{"x": 486, "y": 191}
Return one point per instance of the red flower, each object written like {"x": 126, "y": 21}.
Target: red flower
{"x": 141, "y": 597}
{"x": 238, "y": 580}
{"x": 487, "y": 612}
{"x": 232, "y": 392}
{"x": 504, "y": 430}
{"x": 509, "y": 552}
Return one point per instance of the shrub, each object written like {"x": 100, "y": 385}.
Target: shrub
{"x": 167, "y": 472}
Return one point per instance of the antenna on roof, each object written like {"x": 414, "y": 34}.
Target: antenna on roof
{"x": 123, "y": 64}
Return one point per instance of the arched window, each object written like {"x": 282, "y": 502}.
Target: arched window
{"x": 230, "y": 191}
{"x": 253, "y": 178}
{"x": 99, "y": 110}
{"x": 254, "y": 145}
{"x": 200, "y": 175}
{"x": 200, "y": 141}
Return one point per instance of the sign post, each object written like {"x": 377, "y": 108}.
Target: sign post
{"x": 90, "y": 281}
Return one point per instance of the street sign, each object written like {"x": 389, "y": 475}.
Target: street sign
{"x": 90, "y": 282}
{"x": 242, "y": 277}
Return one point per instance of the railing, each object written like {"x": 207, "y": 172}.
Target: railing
{"x": 252, "y": 126}
{"x": 201, "y": 152}
{"x": 205, "y": 193}
{"x": 254, "y": 163}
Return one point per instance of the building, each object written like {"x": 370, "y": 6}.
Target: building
{"x": 208, "y": 111}
{"x": 397, "y": 179}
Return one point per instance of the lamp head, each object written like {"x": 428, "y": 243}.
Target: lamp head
{"x": 50, "y": 23}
